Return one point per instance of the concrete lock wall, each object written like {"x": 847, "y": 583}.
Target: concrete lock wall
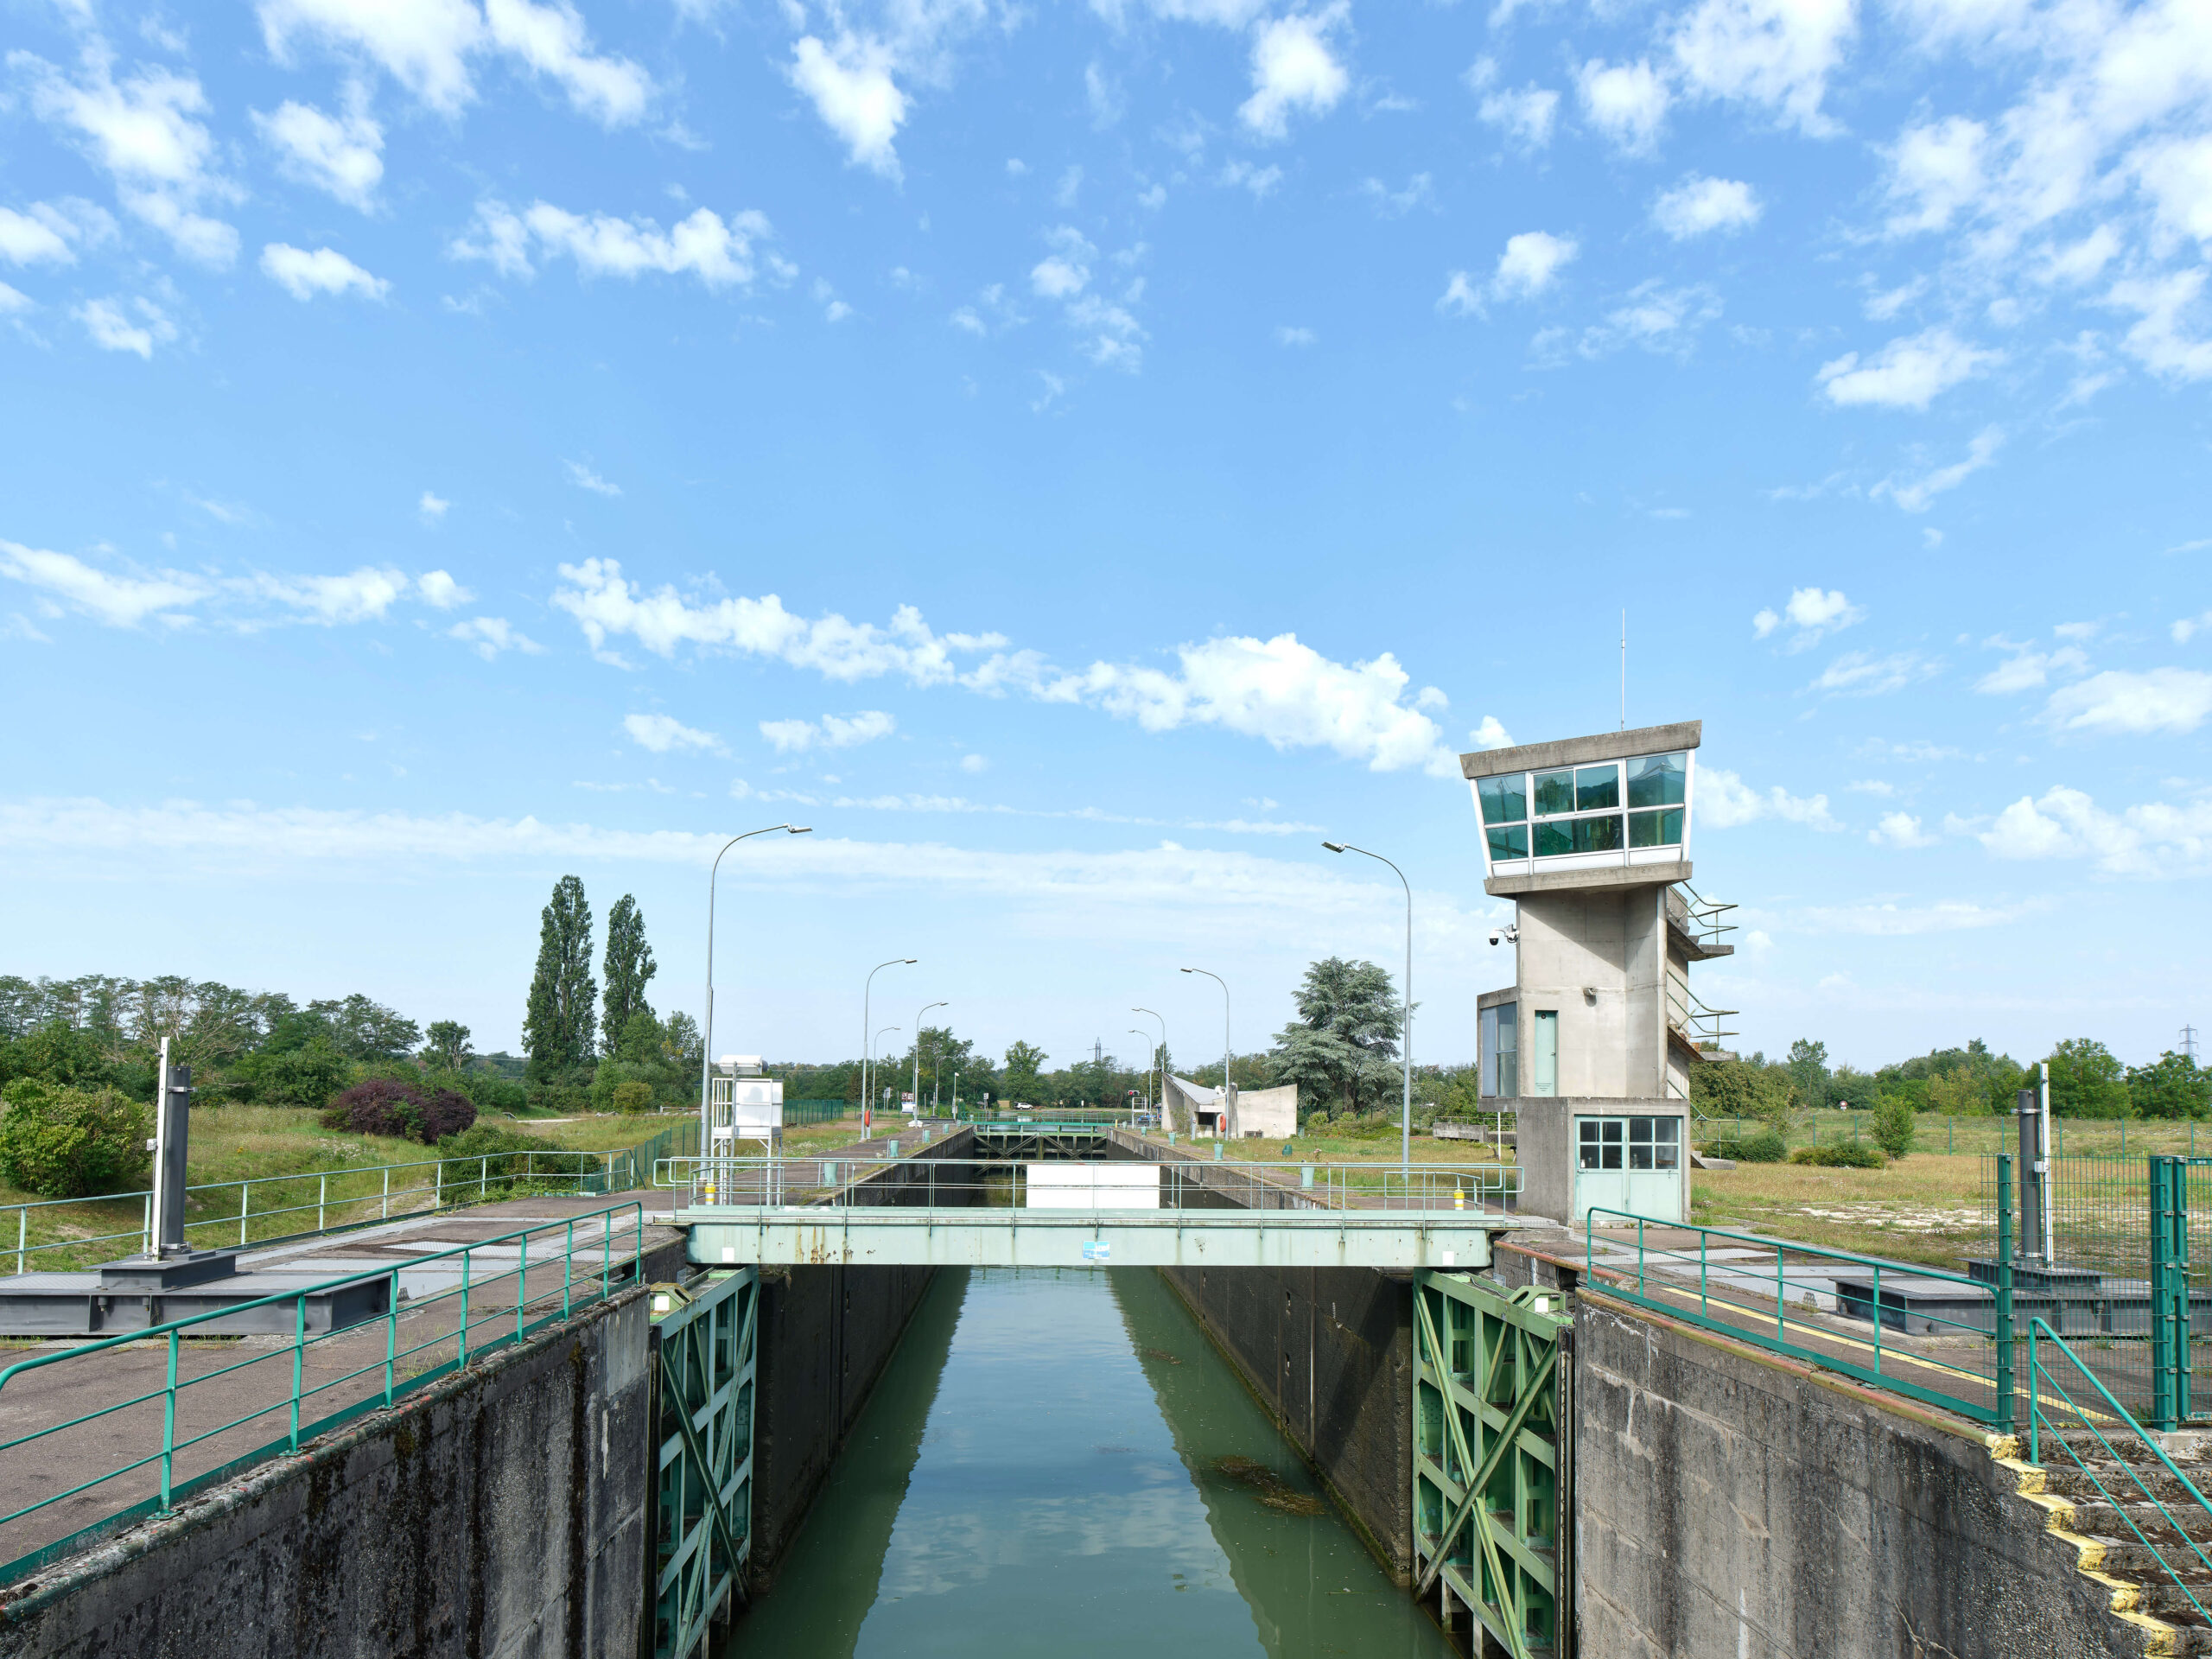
{"x": 498, "y": 1512}
{"x": 1732, "y": 1504}
{"x": 1329, "y": 1351}
{"x": 825, "y": 1334}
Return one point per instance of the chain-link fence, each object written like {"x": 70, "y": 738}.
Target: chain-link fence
{"x": 2121, "y": 1267}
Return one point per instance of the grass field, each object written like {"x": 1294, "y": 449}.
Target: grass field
{"x": 1926, "y": 1208}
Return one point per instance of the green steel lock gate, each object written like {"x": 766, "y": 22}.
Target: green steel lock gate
{"x": 1493, "y": 1458}
{"x": 700, "y": 1499}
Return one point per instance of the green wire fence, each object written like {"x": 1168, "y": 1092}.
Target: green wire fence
{"x": 172, "y": 1441}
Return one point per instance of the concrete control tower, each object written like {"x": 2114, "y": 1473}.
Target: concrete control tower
{"x": 1594, "y": 1041}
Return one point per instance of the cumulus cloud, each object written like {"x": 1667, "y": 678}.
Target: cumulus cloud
{"x": 1530, "y": 266}
{"x": 1811, "y": 613}
{"x": 490, "y": 635}
{"x": 1491, "y": 734}
{"x": 1725, "y": 801}
{"x": 120, "y": 600}
{"x": 1700, "y": 204}
{"x": 2158, "y": 700}
{"x": 429, "y": 46}
{"x": 1776, "y": 53}
{"x": 1525, "y": 115}
{"x": 1907, "y": 373}
{"x": 441, "y": 591}
{"x": 52, "y": 232}
{"x": 304, "y": 275}
{"x": 146, "y": 132}
{"x": 2028, "y": 668}
{"x": 1627, "y": 102}
{"x": 664, "y": 734}
{"x": 1914, "y": 494}
{"x": 342, "y": 154}
{"x": 585, "y": 479}
{"x": 125, "y": 597}
{"x": 719, "y": 252}
{"x": 1861, "y": 674}
{"x": 1294, "y": 71}
{"x": 116, "y": 326}
{"x": 432, "y": 507}
{"x": 1900, "y": 830}
{"x": 2164, "y": 340}
{"x": 1278, "y": 690}
{"x": 832, "y": 732}
{"x": 2151, "y": 840}
{"x": 849, "y": 81}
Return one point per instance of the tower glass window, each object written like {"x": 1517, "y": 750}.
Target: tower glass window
{"x": 1658, "y": 780}
{"x": 1554, "y": 792}
{"x": 1596, "y": 787}
{"x": 1633, "y": 810}
{"x": 1505, "y": 800}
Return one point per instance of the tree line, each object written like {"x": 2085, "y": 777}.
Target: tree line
{"x": 2086, "y": 1080}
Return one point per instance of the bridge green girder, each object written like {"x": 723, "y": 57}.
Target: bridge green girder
{"x": 704, "y": 1341}
{"x": 1493, "y": 1470}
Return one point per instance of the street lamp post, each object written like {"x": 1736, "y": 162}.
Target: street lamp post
{"x": 918, "y": 1029}
{"x": 867, "y": 1121}
{"x": 1224, "y": 983}
{"x": 868, "y": 1118}
{"x": 1160, "y": 1061}
{"x": 706, "y": 1035}
{"x": 1405, "y": 1037}
{"x": 1147, "y": 1035}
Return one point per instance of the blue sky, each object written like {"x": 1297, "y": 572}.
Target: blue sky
{"x": 1076, "y": 457}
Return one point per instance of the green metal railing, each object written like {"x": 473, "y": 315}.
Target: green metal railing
{"x": 438, "y": 1333}
{"x": 60, "y": 1234}
{"x": 2056, "y": 1415}
{"x": 1768, "y": 1292}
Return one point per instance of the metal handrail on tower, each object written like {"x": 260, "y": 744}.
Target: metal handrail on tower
{"x": 1698, "y": 1025}
{"x": 1697, "y": 916}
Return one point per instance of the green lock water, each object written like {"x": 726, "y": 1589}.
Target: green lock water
{"x": 1060, "y": 1464}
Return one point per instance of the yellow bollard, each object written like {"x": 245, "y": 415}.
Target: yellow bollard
{"x": 1459, "y": 1198}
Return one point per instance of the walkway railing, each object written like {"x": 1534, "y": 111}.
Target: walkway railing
{"x": 64, "y": 1234}
{"x": 876, "y": 1175}
{"x": 1831, "y": 1307}
{"x": 205, "y": 1420}
{"x": 2054, "y": 1416}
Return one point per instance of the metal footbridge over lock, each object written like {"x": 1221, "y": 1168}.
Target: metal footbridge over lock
{"x": 1060, "y": 1195}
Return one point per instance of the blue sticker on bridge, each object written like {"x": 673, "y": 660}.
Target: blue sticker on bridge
{"x": 1097, "y": 1250}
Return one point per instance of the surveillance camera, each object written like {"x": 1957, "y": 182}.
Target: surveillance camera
{"x": 1493, "y": 936}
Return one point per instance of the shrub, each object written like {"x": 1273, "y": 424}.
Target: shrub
{"x": 633, "y": 1096}
{"x": 1893, "y": 1125}
{"x": 73, "y": 1143}
{"x": 504, "y": 1171}
{"x": 411, "y": 1111}
{"x": 1765, "y": 1147}
{"x": 1840, "y": 1155}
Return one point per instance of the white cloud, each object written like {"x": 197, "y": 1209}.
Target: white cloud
{"x": 2156, "y": 700}
{"x": 1293, "y": 71}
{"x": 145, "y": 132}
{"x": 1935, "y": 170}
{"x": 1860, "y": 674}
{"x": 2162, "y": 341}
{"x": 1915, "y": 494}
{"x": 120, "y": 601}
{"x": 432, "y": 507}
{"x": 718, "y": 251}
{"x": 552, "y": 41}
{"x": 304, "y": 275}
{"x": 834, "y": 732}
{"x": 1295, "y": 337}
{"x": 1698, "y": 204}
{"x": 1064, "y": 273}
{"x": 1909, "y": 373}
{"x": 1650, "y": 315}
{"x": 663, "y": 733}
{"x": 2153, "y": 840}
{"x": 113, "y": 328}
{"x": 1526, "y": 115}
{"x": 442, "y": 591}
{"x": 1811, "y": 613}
{"x": 1627, "y": 102}
{"x": 426, "y": 45}
{"x": 1260, "y": 180}
{"x": 361, "y": 596}
{"x": 490, "y": 635}
{"x": 1725, "y": 801}
{"x": 585, "y": 479}
{"x": 13, "y": 300}
{"x": 1491, "y": 734}
{"x": 51, "y": 233}
{"x": 341, "y": 155}
{"x": 1531, "y": 264}
{"x": 2189, "y": 627}
{"x": 2177, "y": 174}
{"x": 849, "y": 82}
{"x": 1397, "y": 203}
{"x": 1900, "y": 830}
{"x": 2027, "y": 668}
{"x": 1774, "y": 53}
{"x": 974, "y": 763}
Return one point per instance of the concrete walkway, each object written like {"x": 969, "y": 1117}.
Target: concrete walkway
{"x": 244, "y": 1392}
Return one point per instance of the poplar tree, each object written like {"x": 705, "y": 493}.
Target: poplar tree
{"x": 556, "y": 1031}
{"x": 629, "y": 965}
